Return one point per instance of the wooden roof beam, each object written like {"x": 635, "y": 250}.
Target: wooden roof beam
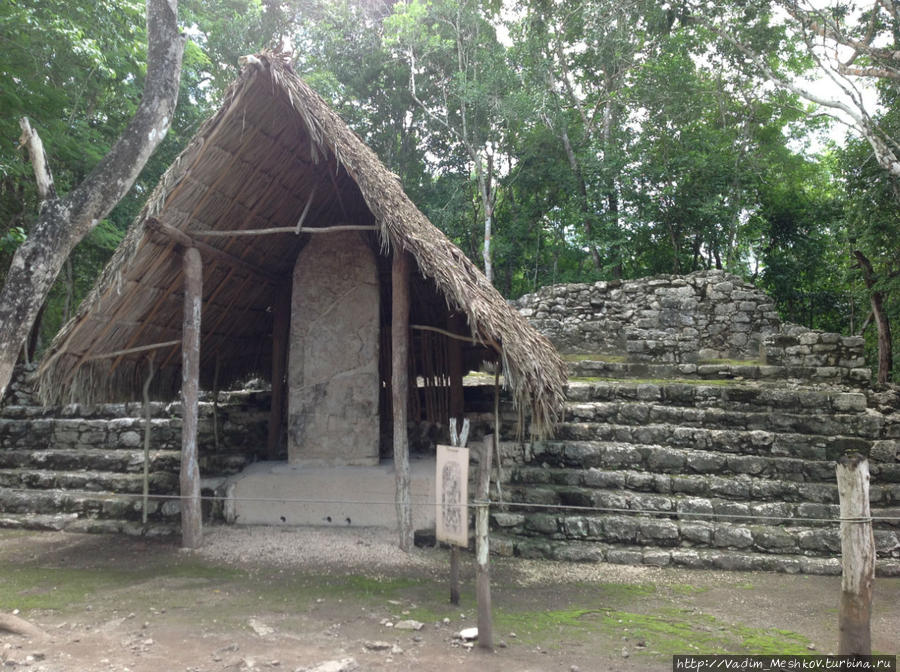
{"x": 186, "y": 240}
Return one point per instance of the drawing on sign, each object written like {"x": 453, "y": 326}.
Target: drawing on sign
{"x": 452, "y": 524}
{"x": 450, "y": 498}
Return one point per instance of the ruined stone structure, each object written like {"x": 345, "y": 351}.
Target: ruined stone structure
{"x": 80, "y": 468}
{"x": 731, "y": 462}
{"x": 682, "y": 461}
{"x": 690, "y": 320}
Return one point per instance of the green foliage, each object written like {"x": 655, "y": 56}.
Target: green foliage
{"x": 607, "y": 139}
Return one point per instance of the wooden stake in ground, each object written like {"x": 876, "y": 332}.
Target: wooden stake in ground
{"x": 482, "y": 547}
{"x": 400, "y": 391}
{"x": 857, "y": 556}
{"x": 191, "y": 521}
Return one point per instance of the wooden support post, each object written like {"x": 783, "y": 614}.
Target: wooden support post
{"x": 454, "y": 573}
{"x": 281, "y": 328}
{"x": 456, "y": 324}
{"x": 857, "y": 557}
{"x": 145, "y": 501}
{"x": 191, "y": 522}
{"x": 482, "y": 546}
{"x": 400, "y": 391}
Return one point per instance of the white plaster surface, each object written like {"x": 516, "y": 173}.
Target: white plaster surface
{"x": 279, "y": 493}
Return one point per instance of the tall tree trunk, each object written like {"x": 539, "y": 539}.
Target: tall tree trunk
{"x": 583, "y": 203}
{"x": 63, "y": 222}
{"x": 876, "y": 298}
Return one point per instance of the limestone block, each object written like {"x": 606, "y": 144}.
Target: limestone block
{"x": 598, "y": 478}
{"x": 885, "y": 450}
{"x": 659, "y": 531}
{"x": 657, "y": 558}
{"x": 690, "y": 505}
{"x": 575, "y": 527}
{"x": 774, "y": 539}
{"x": 849, "y": 401}
{"x": 705, "y": 463}
{"x": 728, "y": 536}
{"x": 853, "y": 341}
{"x": 622, "y": 529}
{"x": 687, "y": 558}
{"x": 130, "y": 439}
{"x": 690, "y": 485}
{"x": 543, "y": 523}
{"x": 622, "y": 556}
{"x": 822, "y": 540}
{"x": 699, "y": 532}
{"x": 666, "y": 460}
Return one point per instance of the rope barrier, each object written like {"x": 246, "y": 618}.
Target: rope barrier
{"x": 489, "y": 503}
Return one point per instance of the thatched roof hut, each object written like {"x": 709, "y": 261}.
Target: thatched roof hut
{"x": 275, "y": 156}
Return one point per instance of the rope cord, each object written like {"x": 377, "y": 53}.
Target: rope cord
{"x": 505, "y": 504}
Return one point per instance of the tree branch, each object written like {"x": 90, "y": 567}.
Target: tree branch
{"x": 42, "y": 175}
{"x": 64, "y": 222}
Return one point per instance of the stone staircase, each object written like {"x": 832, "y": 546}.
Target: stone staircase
{"x": 80, "y": 468}
{"x": 715, "y": 468}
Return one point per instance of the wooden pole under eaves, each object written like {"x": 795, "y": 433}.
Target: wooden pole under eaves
{"x": 191, "y": 521}
{"x": 400, "y": 391}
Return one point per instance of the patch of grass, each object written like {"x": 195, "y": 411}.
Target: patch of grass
{"x": 686, "y": 589}
{"x": 366, "y": 586}
{"x": 666, "y": 632}
{"x": 548, "y": 628}
{"x": 671, "y": 631}
{"x": 28, "y": 588}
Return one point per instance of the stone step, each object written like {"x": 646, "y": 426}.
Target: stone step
{"x": 734, "y": 441}
{"x": 768, "y": 502}
{"x": 85, "y": 504}
{"x": 596, "y": 368}
{"x": 92, "y": 459}
{"x": 684, "y": 461}
{"x": 236, "y": 401}
{"x": 127, "y": 433}
{"x": 734, "y": 396}
{"x": 160, "y": 482}
{"x": 862, "y": 425}
{"x": 687, "y": 460}
{"x": 693, "y": 558}
{"x": 70, "y": 522}
{"x": 683, "y": 531}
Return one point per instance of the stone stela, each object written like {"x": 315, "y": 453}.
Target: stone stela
{"x": 333, "y": 387}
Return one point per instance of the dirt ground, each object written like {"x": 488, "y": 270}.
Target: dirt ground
{"x": 260, "y": 599}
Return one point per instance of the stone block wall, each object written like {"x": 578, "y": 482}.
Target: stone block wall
{"x": 701, "y": 317}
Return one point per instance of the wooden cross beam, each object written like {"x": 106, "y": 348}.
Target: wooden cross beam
{"x": 186, "y": 240}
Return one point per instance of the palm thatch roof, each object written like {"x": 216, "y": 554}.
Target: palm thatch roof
{"x": 272, "y": 152}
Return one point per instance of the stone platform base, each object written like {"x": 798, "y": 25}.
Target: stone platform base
{"x": 278, "y": 493}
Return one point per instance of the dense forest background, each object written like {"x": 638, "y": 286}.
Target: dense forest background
{"x": 553, "y": 141}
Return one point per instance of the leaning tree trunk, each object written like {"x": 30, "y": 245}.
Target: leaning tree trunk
{"x": 876, "y": 298}
{"x": 64, "y": 221}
